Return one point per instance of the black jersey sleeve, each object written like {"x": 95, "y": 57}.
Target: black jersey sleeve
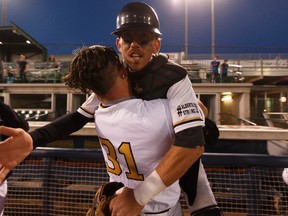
{"x": 186, "y": 138}
{"x": 59, "y": 128}
{"x": 10, "y": 118}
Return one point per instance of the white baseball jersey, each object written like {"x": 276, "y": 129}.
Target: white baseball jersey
{"x": 134, "y": 136}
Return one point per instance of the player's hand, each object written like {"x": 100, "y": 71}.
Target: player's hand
{"x": 124, "y": 204}
{"x": 14, "y": 149}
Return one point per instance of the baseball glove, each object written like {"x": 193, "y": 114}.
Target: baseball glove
{"x": 102, "y": 199}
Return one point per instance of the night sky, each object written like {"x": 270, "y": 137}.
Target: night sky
{"x": 240, "y": 25}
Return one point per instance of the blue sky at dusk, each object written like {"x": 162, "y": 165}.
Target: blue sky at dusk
{"x": 64, "y": 25}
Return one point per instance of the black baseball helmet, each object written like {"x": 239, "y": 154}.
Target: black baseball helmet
{"x": 137, "y": 16}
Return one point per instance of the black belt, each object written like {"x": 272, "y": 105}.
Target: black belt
{"x": 157, "y": 212}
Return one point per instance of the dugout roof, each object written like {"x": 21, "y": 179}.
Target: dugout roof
{"x": 14, "y": 40}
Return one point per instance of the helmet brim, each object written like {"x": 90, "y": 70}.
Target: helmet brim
{"x": 136, "y": 27}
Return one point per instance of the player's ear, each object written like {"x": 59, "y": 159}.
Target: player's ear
{"x": 118, "y": 44}
{"x": 156, "y": 45}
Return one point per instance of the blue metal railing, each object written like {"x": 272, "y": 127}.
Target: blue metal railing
{"x": 59, "y": 181}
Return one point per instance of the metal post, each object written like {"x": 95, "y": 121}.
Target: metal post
{"x": 186, "y": 29}
{"x": 3, "y": 12}
{"x": 212, "y": 30}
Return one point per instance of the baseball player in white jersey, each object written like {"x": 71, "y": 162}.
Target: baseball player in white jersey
{"x": 136, "y": 151}
{"x": 91, "y": 105}
{"x": 144, "y": 133}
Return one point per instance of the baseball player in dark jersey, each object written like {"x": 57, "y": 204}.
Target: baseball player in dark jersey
{"x": 153, "y": 75}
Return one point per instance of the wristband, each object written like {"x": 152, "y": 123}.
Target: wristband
{"x": 149, "y": 188}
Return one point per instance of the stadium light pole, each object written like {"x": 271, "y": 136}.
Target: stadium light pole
{"x": 212, "y": 30}
{"x": 186, "y": 29}
{"x": 3, "y": 12}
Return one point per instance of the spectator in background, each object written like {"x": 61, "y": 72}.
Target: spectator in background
{"x": 58, "y": 65}
{"x": 51, "y": 61}
{"x": 22, "y": 68}
{"x": 215, "y": 69}
{"x": 58, "y": 74}
{"x": 51, "y": 58}
{"x": 10, "y": 75}
{"x": 224, "y": 70}
{"x": 9, "y": 118}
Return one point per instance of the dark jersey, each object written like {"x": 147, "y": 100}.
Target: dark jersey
{"x": 153, "y": 81}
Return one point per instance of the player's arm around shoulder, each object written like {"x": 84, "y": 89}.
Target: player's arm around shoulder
{"x": 188, "y": 120}
{"x": 176, "y": 162}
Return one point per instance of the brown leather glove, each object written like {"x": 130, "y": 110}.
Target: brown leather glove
{"x": 102, "y": 199}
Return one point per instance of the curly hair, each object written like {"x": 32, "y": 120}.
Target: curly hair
{"x": 93, "y": 69}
